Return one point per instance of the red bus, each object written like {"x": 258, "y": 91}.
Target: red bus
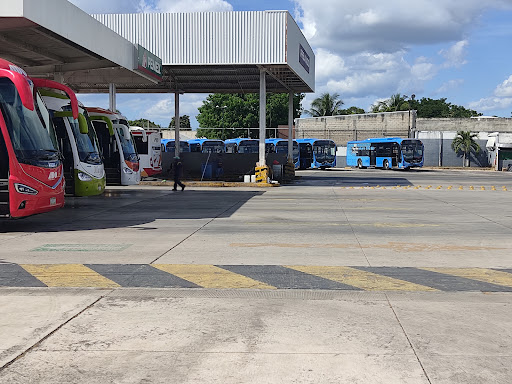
{"x": 31, "y": 174}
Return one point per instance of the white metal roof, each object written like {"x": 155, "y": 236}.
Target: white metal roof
{"x": 54, "y": 36}
{"x": 222, "y": 51}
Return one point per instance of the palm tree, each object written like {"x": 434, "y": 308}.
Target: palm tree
{"x": 326, "y": 105}
{"x": 465, "y": 142}
{"x": 396, "y": 102}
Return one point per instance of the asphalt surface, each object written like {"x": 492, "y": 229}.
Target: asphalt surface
{"x": 345, "y": 276}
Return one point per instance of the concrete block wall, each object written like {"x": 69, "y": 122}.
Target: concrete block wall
{"x": 479, "y": 124}
{"x": 344, "y": 128}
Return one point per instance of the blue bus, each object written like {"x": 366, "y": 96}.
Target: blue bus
{"x": 242, "y": 145}
{"x": 206, "y": 146}
{"x": 386, "y": 153}
{"x": 168, "y": 145}
{"x": 281, "y": 146}
{"x": 316, "y": 153}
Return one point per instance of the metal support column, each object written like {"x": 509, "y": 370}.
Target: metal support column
{"x": 112, "y": 97}
{"x": 177, "y": 124}
{"x": 263, "y": 115}
{"x": 290, "y": 127}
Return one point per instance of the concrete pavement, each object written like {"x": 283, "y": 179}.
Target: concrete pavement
{"x": 318, "y": 228}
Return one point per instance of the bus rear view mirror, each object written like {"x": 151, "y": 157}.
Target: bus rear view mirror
{"x": 107, "y": 121}
{"x": 82, "y": 122}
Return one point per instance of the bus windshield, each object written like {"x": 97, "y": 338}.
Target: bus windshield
{"x": 412, "y": 150}
{"x": 325, "y": 151}
{"x": 127, "y": 146}
{"x": 87, "y": 144}
{"x": 31, "y": 139}
{"x": 282, "y": 147}
{"x": 247, "y": 146}
{"x": 213, "y": 147}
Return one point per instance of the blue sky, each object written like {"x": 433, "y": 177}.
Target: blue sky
{"x": 368, "y": 50}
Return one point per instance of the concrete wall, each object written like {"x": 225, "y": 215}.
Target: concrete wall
{"x": 345, "y": 128}
{"x": 480, "y": 124}
{"x": 439, "y": 152}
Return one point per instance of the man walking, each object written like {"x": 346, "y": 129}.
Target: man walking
{"x": 178, "y": 172}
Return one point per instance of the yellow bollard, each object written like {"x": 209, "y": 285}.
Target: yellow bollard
{"x": 482, "y": 188}
{"x": 450, "y": 187}
{"x": 471, "y": 187}
{"x": 493, "y": 188}
{"x": 461, "y": 188}
{"x": 440, "y": 187}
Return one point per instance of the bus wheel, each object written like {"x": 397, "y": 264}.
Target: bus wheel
{"x": 359, "y": 164}
{"x": 385, "y": 164}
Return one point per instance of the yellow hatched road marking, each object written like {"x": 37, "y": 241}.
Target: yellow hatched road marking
{"x": 210, "y": 276}
{"x": 68, "y": 275}
{"x": 480, "y": 274}
{"x": 361, "y": 279}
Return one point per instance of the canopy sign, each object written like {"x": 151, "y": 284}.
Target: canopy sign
{"x": 149, "y": 64}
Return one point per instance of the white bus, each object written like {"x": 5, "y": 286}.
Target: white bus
{"x": 116, "y": 142}
{"x": 148, "y": 143}
{"x": 83, "y": 167}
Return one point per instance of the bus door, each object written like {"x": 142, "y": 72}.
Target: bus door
{"x": 110, "y": 152}
{"x": 4, "y": 178}
{"x": 67, "y": 153}
{"x": 373, "y": 156}
{"x": 306, "y": 155}
{"x": 395, "y": 155}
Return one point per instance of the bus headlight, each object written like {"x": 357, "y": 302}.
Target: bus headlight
{"x": 25, "y": 189}
{"x": 84, "y": 177}
{"x": 127, "y": 170}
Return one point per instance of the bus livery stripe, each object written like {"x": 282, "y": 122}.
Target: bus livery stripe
{"x": 68, "y": 275}
{"x": 362, "y": 279}
{"x": 210, "y": 276}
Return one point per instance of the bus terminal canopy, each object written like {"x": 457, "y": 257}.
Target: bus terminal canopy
{"x": 57, "y": 40}
{"x": 221, "y": 51}
{"x": 156, "y": 52}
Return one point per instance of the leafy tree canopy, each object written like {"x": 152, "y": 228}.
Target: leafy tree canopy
{"x": 143, "y": 123}
{"x": 184, "y": 122}
{"x": 425, "y": 107}
{"x": 351, "y": 111}
{"x": 465, "y": 143}
{"x": 242, "y": 111}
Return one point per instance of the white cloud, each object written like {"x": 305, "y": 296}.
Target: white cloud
{"x": 502, "y": 98}
{"x": 131, "y": 6}
{"x": 504, "y": 89}
{"x": 377, "y": 26}
{"x": 449, "y": 86}
{"x": 491, "y": 104}
{"x": 328, "y": 65}
{"x": 455, "y": 55}
{"x": 164, "y": 108}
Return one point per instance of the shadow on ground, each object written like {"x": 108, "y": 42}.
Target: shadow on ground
{"x": 129, "y": 208}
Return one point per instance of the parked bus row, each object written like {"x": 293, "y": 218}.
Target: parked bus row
{"x": 51, "y": 144}
{"x": 307, "y": 153}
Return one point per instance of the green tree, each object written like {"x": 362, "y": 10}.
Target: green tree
{"x": 231, "y": 111}
{"x": 465, "y": 143}
{"x": 396, "y": 102}
{"x": 144, "y": 123}
{"x": 440, "y": 108}
{"x": 351, "y": 111}
{"x": 325, "y": 105}
{"x": 184, "y": 123}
